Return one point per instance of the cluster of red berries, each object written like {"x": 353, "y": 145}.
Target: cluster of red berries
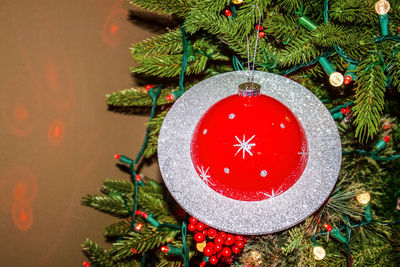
{"x": 216, "y": 245}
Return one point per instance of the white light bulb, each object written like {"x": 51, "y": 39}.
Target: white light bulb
{"x": 336, "y": 79}
{"x": 382, "y": 7}
{"x": 319, "y": 253}
{"x": 363, "y": 198}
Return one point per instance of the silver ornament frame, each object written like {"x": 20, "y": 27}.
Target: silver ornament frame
{"x": 274, "y": 214}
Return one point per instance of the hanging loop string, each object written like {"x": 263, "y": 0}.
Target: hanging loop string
{"x": 250, "y": 73}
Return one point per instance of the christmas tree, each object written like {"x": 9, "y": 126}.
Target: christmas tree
{"x": 345, "y": 52}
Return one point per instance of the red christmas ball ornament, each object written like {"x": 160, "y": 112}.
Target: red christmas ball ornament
{"x": 200, "y": 226}
{"x": 213, "y": 260}
{"x": 226, "y": 252}
{"x": 248, "y": 157}
{"x": 199, "y": 237}
{"x": 235, "y": 250}
{"x": 193, "y": 220}
{"x": 239, "y": 244}
{"x": 212, "y": 233}
{"x": 229, "y": 240}
{"x": 219, "y": 240}
{"x": 191, "y": 227}
{"x": 208, "y": 251}
{"x": 217, "y": 247}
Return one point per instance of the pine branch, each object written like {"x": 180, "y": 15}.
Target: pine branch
{"x": 117, "y": 229}
{"x": 114, "y": 205}
{"x": 354, "y": 11}
{"x": 146, "y": 240}
{"x": 299, "y": 51}
{"x": 121, "y": 187}
{"x": 168, "y": 43}
{"x": 369, "y": 97}
{"x": 136, "y": 97}
{"x": 154, "y": 130}
{"x": 96, "y": 254}
{"x": 175, "y": 7}
{"x": 167, "y": 66}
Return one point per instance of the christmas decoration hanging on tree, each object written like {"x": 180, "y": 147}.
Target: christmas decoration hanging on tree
{"x": 249, "y": 163}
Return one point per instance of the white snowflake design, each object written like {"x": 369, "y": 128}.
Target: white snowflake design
{"x": 273, "y": 193}
{"x": 204, "y": 176}
{"x": 244, "y": 145}
{"x": 303, "y": 152}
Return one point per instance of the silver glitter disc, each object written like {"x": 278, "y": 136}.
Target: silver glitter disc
{"x": 249, "y": 217}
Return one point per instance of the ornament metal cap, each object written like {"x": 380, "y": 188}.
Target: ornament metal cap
{"x": 249, "y": 89}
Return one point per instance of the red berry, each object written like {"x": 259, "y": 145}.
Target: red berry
{"x": 212, "y": 232}
{"x": 228, "y": 13}
{"x": 217, "y": 247}
{"x": 230, "y": 240}
{"x": 386, "y": 139}
{"x": 207, "y": 251}
{"x": 134, "y": 251}
{"x": 222, "y": 234}
{"x": 239, "y": 244}
{"x": 199, "y": 237}
{"x": 86, "y": 264}
{"x": 261, "y": 27}
{"x": 205, "y": 232}
{"x": 200, "y": 226}
{"x": 239, "y": 237}
{"x": 191, "y": 227}
{"x": 226, "y": 252}
{"x": 213, "y": 260}
{"x": 116, "y": 156}
{"x": 235, "y": 250}
{"x": 261, "y": 34}
{"x": 210, "y": 244}
{"x": 203, "y": 264}
{"x": 193, "y": 220}
{"x": 219, "y": 240}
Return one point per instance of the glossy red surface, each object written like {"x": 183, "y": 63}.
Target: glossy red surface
{"x": 249, "y": 148}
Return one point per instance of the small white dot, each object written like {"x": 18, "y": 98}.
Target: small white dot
{"x": 231, "y": 116}
{"x": 205, "y": 131}
{"x": 226, "y": 170}
{"x": 282, "y": 125}
{"x": 263, "y": 173}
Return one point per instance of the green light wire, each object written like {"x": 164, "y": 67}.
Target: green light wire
{"x": 185, "y": 248}
{"x": 154, "y": 95}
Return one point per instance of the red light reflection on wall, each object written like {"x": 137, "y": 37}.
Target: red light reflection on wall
{"x": 18, "y": 189}
{"x": 22, "y": 214}
{"x": 56, "y": 132}
{"x": 112, "y": 33}
{"x": 19, "y": 110}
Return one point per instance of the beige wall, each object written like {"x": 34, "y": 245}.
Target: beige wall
{"x": 58, "y": 60}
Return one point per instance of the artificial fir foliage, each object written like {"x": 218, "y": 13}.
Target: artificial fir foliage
{"x": 296, "y": 37}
